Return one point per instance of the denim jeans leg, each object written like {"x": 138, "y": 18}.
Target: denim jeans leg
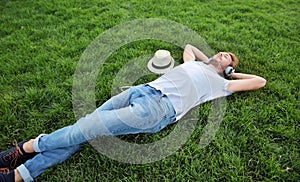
{"x": 42, "y": 161}
{"x": 64, "y": 137}
{"x": 144, "y": 109}
{"x": 71, "y": 135}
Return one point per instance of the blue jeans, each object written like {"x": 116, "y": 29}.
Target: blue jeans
{"x": 140, "y": 109}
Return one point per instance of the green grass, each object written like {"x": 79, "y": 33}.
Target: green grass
{"x": 41, "y": 43}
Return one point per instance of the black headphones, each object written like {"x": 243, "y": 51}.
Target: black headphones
{"x": 228, "y": 71}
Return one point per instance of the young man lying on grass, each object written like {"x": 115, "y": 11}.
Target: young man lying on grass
{"x": 146, "y": 108}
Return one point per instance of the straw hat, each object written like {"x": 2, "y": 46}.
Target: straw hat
{"x": 161, "y": 62}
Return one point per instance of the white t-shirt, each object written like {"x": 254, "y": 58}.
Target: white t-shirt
{"x": 191, "y": 84}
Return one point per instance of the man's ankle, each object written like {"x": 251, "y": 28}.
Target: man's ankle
{"x": 18, "y": 177}
{"x": 28, "y": 146}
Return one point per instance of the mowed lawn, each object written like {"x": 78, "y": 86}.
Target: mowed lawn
{"x": 41, "y": 43}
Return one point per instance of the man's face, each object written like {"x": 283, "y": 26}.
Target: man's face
{"x": 223, "y": 58}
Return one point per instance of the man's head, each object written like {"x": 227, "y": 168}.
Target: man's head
{"x": 225, "y": 59}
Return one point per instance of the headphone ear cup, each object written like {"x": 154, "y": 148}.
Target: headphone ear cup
{"x": 228, "y": 71}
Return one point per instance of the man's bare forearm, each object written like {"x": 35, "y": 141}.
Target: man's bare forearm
{"x": 242, "y": 76}
{"x": 192, "y": 53}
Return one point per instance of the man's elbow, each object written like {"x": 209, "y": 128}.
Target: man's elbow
{"x": 261, "y": 82}
{"x": 258, "y": 83}
{"x": 188, "y": 46}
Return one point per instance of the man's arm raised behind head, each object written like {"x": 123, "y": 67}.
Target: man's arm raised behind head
{"x": 245, "y": 82}
{"x": 192, "y": 53}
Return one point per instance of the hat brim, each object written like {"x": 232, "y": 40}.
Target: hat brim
{"x": 160, "y": 70}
